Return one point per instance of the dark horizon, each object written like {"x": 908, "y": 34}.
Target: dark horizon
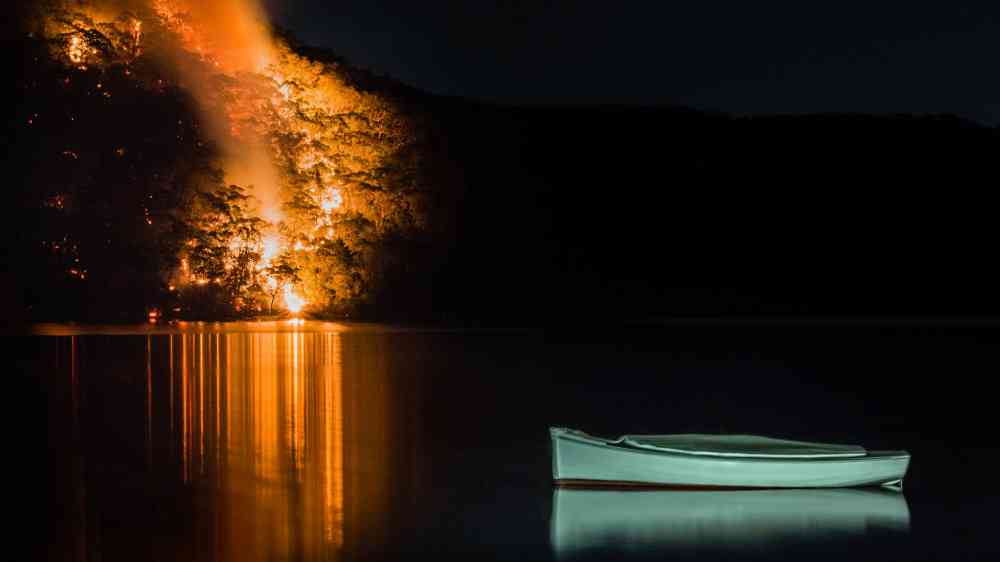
{"x": 895, "y": 57}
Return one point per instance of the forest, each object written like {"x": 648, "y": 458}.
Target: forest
{"x": 155, "y": 174}
{"x": 162, "y": 173}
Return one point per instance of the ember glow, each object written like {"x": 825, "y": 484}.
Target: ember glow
{"x": 76, "y": 51}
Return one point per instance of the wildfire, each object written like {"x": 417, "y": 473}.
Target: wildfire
{"x": 136, "y": 38}
{"x": 275, "y": 107}
{"x": 228, "y": 34}
{"x": 77, "y": 50}
{"x": 331, "y": 200}
{"x": 271, "y": 249}
{"x": 293, "y": 302}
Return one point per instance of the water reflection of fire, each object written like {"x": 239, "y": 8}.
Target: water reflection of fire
{"x": 266, "y": 410}
{"x": 287, "y": 444}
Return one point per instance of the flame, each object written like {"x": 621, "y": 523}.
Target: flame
{"x": 293, "y": 302}
{"x": 232, "y": 35}
{"x": 77, "y": 51}
{"x": 270, "y": 250}
{"x": 136, "y": 39}
{"x": 331, "y": 200}
{"x": 233, "y": 39}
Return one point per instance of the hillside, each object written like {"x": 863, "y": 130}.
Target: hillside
{"x": 637, "y": 212}
{"x": 400, "y": 205}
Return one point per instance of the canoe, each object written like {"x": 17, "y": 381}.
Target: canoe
{"x": 718, "y": 461}
{"x": 671, "y": 522}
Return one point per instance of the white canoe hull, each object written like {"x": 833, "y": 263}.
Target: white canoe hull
{"x": 579, "y": 459}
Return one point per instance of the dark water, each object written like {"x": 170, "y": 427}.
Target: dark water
{"x": 327, "y": 442}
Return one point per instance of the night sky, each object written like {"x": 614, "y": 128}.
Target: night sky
{"x": 887, "y": 56}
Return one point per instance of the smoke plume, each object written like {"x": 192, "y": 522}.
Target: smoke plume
{"x": 227, "y": 50}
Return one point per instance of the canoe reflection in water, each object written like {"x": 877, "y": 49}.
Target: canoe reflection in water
{"x": 593, "y": 520}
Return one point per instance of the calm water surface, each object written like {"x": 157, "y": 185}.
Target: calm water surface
{"x": 313, "y": 441}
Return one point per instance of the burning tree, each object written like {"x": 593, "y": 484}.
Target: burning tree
{"x": 223, "y": 249}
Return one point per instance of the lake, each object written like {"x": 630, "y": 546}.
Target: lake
{"x": 303, "y": 440}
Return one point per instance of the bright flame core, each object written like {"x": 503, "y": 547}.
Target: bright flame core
{"x": 77, "y": 50}
{"x": 293, "y": 302}
{"x": 271, "y": 249}
{"x": 331, "y": 200}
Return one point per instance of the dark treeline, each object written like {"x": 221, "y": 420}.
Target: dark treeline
{"x": 604, "y": 212}
{"x": 646, "y": 213}
{"x": 84, "y": 175}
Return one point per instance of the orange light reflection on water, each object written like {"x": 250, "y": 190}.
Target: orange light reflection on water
{"x": 277, "y": 423}
{"x": 294, "y": 443}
